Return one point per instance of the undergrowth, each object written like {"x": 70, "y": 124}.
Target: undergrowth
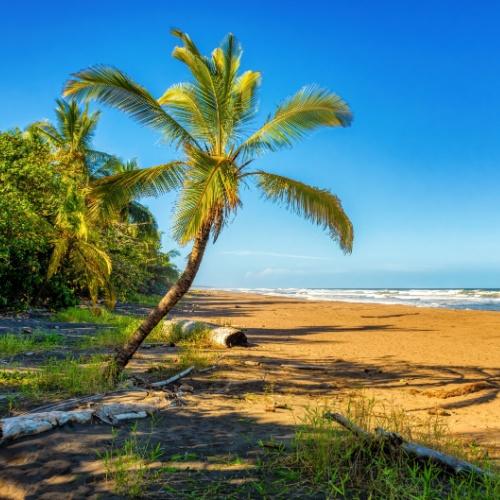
{"x": 59, "y": 378}
{"x": 118, "y": 329}
{"x": 334, "y": 462}
{"x": 12, "y": 344}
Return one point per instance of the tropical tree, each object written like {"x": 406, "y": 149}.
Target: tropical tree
{"x": 208, "y": 118}
{"x": 76, "y": 236}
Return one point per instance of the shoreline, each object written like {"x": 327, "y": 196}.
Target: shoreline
{"x": 270, "y": 293}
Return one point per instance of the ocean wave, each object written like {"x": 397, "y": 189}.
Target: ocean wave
{"x": 452, "y": 298}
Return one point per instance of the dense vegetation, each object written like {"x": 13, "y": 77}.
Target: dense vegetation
{"x": 54, "y": 247}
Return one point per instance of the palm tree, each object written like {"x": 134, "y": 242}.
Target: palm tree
{"x": 76, "y": 238}
{"x": 208, "y": 118}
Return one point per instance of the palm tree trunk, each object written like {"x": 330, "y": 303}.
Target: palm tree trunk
{"x": 169, "y": 300}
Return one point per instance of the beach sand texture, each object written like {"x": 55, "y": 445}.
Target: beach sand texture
{"x": 303, "y": 355}
{"x": 417, "y": 358}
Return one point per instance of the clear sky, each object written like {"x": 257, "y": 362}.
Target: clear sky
{"x": 418, "y": 171}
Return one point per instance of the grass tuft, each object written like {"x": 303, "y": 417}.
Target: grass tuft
{"x": 60, "y": 378}
{"x": 127, "y": 465}
{"x": 12, "y": 344}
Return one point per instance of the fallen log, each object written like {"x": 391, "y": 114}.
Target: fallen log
{"x": 71, "y": 403}
{"x": 415, "y": 450}
{"x": 15, "y": 427}
{"x": 110, "y": 413}
{"x": 220, "y": 336}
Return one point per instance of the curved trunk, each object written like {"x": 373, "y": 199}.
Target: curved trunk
{"x": 169, "y": 300}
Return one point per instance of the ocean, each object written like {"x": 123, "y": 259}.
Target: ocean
{"x": 487, "y": 299}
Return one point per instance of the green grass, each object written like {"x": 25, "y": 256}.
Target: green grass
{"x": 59, "y": 378}
{"x": 12, "y": 344}
{"x": 127, "y": 465}
{"x": 144, "y": 300}
{"x": 333, "y": 462}
{"x": 122, "y": 326}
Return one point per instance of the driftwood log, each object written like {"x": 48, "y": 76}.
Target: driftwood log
{"x": 415, "y": 450}
{"x": 220, "y": 336}
{"x": 111, "y": 413}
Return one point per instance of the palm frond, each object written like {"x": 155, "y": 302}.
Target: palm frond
{"x": 308, "y": 109}
{"x": 184, "y": 101}
{"x": 48, "y": 132}
{"x": 317, "y": 205}
{"x": 111, "y": 193}
{"x": 111, "y": 86}
{"x": 210, "y": 192}
{"x": 59, "y": 252}
{"x": 142, "y": 217}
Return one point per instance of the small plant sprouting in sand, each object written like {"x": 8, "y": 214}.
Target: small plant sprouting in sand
{"x": 333, "y": 461}
{"x": 128, "y": 465}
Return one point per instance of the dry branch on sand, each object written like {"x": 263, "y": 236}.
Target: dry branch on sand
{"x": 393, "y": 440}
{"x": 462, "y": 390}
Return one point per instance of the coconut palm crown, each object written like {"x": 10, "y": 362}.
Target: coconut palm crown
{"x": 208, "y": 119}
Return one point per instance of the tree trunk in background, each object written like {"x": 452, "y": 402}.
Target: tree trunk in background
{"x": 171, "y": 298}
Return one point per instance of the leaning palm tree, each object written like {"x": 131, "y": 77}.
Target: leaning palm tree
{"x": 208, "y": 119}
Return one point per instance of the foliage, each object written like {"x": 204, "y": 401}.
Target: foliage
{"x": 53, "y": 246}
{"x": 208, "y": 117}
{"x": 30, "y": 191}
{"x": 334, "y": 463}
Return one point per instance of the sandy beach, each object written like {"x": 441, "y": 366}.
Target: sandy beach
{"x": 431, "y": 363}
{"x": 417, "y": 358}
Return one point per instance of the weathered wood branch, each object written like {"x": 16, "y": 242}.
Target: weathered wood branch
{"x": 174, "y": 378}
{"x": 415, "y": 450}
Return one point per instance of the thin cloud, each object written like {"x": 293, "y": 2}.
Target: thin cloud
{"x": 274, "y": 271}
{"x": 249, "y": 253}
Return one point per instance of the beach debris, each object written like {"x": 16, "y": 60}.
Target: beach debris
{"x": 462, "y": 390}
{"x": 35, "y": 423}
{"x": 220, "y": 336}
{"x": 440, "y": 412}
{"x": 109, "y": 413}
{"x": 249, "y": 362}
{"x": 304, "y": 367}
{"x": 207, "y": 369}
{"x": 116, "y": 412}
{"x": 174, "y": 378}
{"x": 420, "y": 452}
{"x": 139, "y": 403}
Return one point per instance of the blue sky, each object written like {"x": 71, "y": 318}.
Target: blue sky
{"x": 418, "y": 172}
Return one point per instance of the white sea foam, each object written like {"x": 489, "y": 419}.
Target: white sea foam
{"x": 479, "y": 299}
